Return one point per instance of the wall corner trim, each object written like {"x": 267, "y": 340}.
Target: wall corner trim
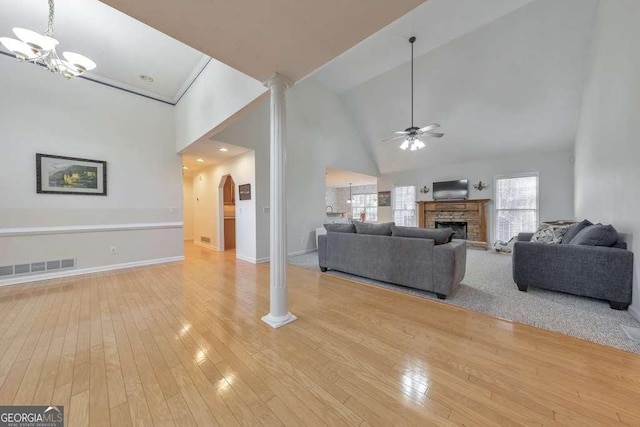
{"x": 90, "y": 270}
{"x": 71, "y": 229}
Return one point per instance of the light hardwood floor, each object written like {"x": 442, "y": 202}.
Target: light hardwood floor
{"x": 183, "y": 344}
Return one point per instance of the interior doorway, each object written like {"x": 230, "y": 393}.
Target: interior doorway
{"x": 227, "y": 213}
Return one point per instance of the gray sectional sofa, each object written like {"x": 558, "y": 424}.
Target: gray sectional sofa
{"x": 602, "y": 272}
{"x": 415, "y": 262}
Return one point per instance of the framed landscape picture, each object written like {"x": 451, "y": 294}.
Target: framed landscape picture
{"x": 70, "y": 175}
{"x": 384, "y": 198}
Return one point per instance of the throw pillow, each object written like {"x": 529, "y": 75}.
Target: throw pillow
{"x": 574, "y": 230}
{"x": 596, "y": 235}
{"x": 340, "y": 228}
{"x": 439, "y": 235}
{"x": 377, "y": 229}
{"x": 548, "y": 233}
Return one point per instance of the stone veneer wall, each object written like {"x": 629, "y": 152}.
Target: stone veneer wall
{"x": 471, "y": 218}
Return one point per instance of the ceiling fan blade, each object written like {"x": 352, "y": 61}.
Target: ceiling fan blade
{"x": 430, "y": 127}
{"x": 434, "y": 134}
{"x": 393, "y": 138}
{"x": 401, "y": 132}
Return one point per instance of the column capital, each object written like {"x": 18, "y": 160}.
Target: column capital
{"x": 278, "y": 79}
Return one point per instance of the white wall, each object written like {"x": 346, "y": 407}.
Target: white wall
{"x": 555, "y": 181}
{"x": 320, "y": 134}
{"x": 187, "y": 202}
{"x": 206, "y": 205}
{"x": 217, "y": 94}
{"x": 44, "y": 113}
{"x": 607, "y": 150}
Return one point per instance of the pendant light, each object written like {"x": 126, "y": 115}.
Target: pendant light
{"x": 349, "y": 201}
{"x": 41, "y": 49}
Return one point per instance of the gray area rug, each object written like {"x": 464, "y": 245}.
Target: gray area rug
{"x": 488, "y": 287}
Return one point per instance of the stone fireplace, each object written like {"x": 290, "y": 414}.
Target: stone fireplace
{"x": 459, "y": 228}
{"x": 468, "y": 218}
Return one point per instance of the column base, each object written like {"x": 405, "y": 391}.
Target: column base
{"x": 277, "y": 321}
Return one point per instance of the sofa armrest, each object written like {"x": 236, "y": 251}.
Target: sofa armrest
{"x": 525, "y": 237}
{"x": 595, "y": 271}
{"x": 449, "y": 266}
{"x": 322, "y": 251}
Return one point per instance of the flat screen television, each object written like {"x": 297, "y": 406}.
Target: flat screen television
{"x": 451, "y": 190}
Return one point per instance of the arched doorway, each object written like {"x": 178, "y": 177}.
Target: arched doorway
{"x": 227, "y": 213}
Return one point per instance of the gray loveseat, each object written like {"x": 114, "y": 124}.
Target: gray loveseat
{"x": 593, "y": 271}
{"x": 413, "y": 262}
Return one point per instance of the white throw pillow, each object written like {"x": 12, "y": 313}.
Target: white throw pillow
{"x": 548, "y": 233}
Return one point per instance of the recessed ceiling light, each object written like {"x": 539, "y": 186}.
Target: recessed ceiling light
{"x": 146, "y": 78}
{"x": 224, "y": 150}
{"x": 199, "y": 160}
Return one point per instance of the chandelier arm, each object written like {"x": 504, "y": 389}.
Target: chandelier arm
{"x": 50, "y": 22}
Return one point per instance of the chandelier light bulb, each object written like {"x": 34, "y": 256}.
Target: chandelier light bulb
{"x": 36, "y": 41}
{"x": 81, "y": 62}
{"x": 23, "y": 51}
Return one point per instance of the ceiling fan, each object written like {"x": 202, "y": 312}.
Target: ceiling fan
{"x": 411, "y": 135}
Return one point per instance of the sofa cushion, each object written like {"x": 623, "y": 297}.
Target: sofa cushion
{"x": 340, "y": 228}
{"x": 439, "y": 235}
{"x": 549, "y": 233}
{"x": 596, "y": 235}
{"x": 574, "y": 230}
{"x": 377, "y": 229}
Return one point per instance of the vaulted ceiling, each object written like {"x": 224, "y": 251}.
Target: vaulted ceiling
{"x": 259, "y": 37}
{"x": 502, "y": 81}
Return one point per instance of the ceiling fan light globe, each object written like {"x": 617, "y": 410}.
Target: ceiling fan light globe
{"x": 404, "y": 145}
{"x": 37, "y": 41}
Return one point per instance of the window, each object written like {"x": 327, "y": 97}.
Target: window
{"x": 367, "y": 203}
{"x": 516, "y": 205}
{"x": 404, "y": 206}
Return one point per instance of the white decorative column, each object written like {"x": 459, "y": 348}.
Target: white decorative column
{"x": 279, "y": 314}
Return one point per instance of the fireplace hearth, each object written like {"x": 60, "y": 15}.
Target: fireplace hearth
{"x": 459, "y": 228}
{"x": 470, "y": 215}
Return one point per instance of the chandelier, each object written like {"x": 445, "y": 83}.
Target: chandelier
{"x": 41, "y": 50}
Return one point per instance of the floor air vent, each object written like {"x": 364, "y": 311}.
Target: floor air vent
{"x": 6, "y": 270}
{"x": 37, "y": 267}
{"x": 205, "y": 239}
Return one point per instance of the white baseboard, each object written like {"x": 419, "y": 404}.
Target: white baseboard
{"x": 634, "y": 312}
{"x": 304, "y": 252}
{"x": 252, "y": 260}
{"x": 266, "y": 259}
{"x": 206, "y": 245}
{"x": 81, "y": 271}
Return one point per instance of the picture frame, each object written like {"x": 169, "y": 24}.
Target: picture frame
{"x": 70, "y": 175}
{"x": 384, "y": 198}
{"x": 244, "y": 191}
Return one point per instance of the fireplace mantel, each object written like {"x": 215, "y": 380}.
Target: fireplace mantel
{"x": 472, "y": 212}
